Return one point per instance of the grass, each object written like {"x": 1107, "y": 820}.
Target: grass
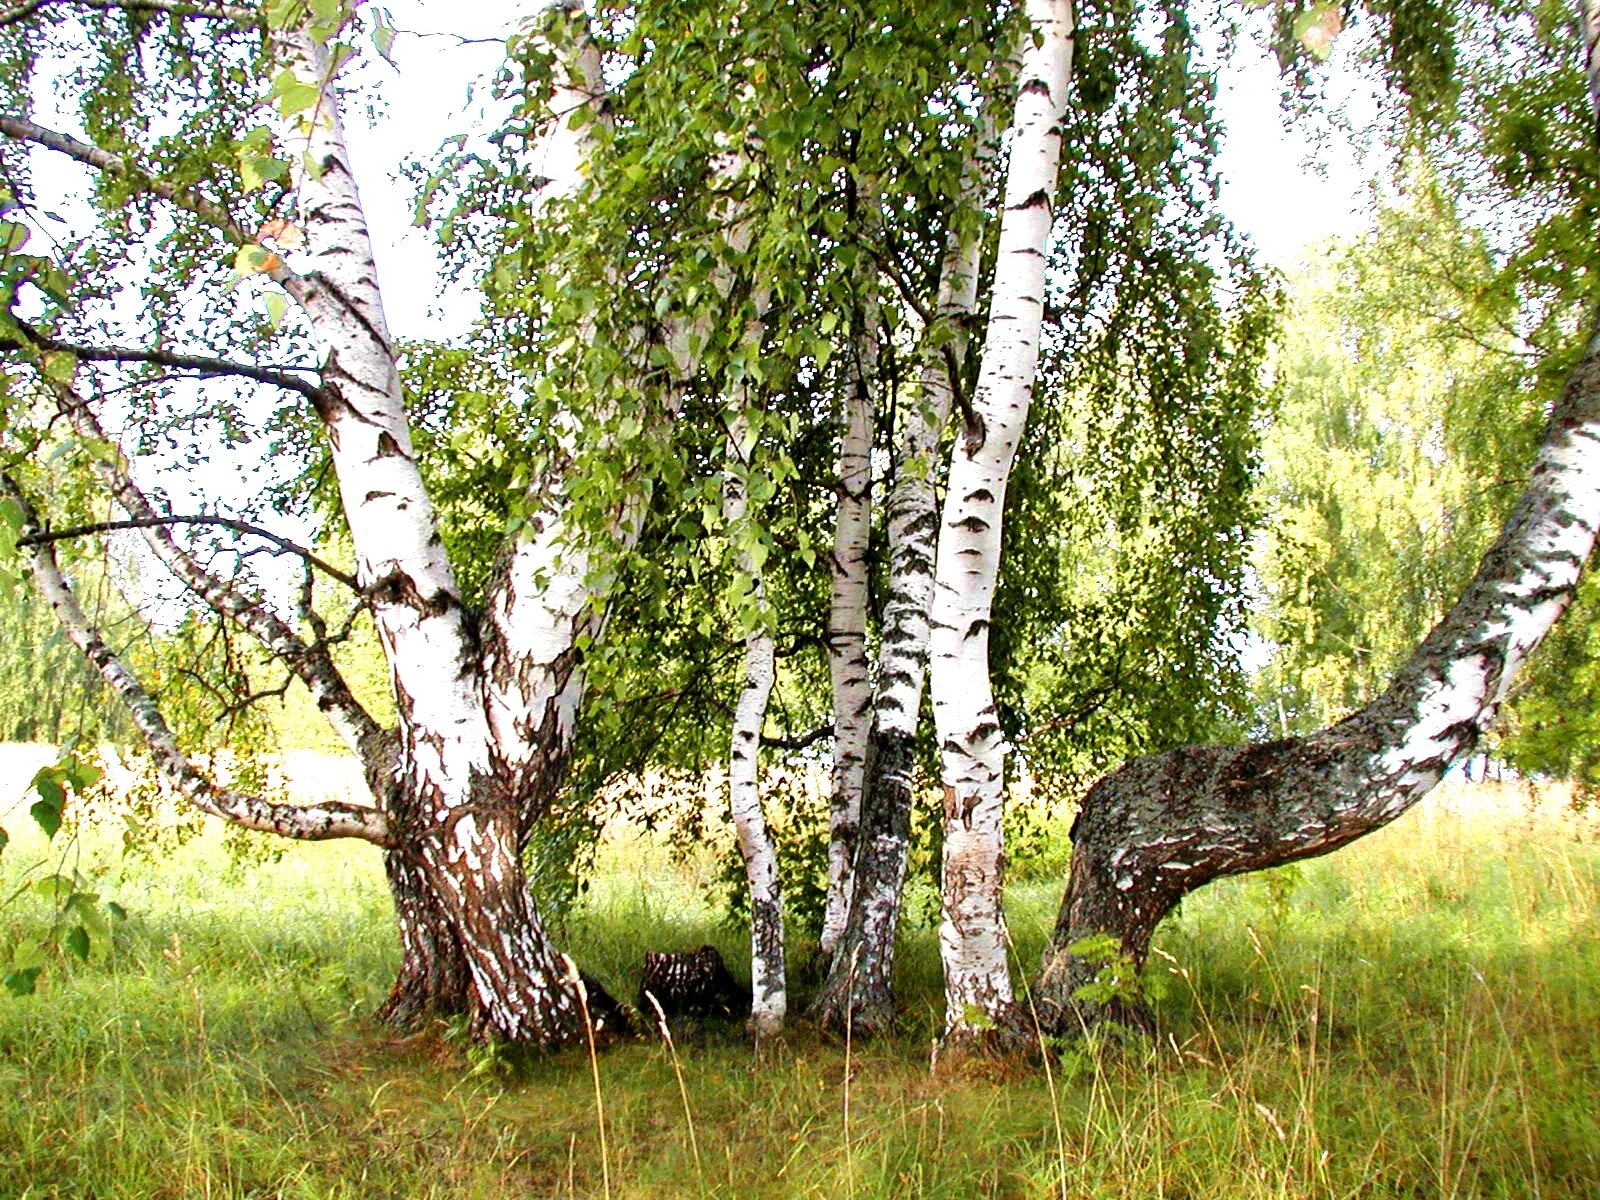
{"x": 1414, "y": 1017}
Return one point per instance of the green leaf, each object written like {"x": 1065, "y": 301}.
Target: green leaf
{"x": 81, "y": 774}
{"x": 47, "y": 816}
{"x": 4, "y": 839}
{"x": 77, "y": 941}
{"x": 256, "y": 169}
{"x": 383, "y": 40}
{"x": 292, "y": 94}
{"x": 54, "y": 888}
{"x": 21, "y": 982}
{"x": 13, "y": 236}
{"x": 60, "y": 365}
{"x": 283, "y": 13}
{"x": 277, "y": 305}
{"x": 255, "y": 260}
{"x": 116, "y": 910}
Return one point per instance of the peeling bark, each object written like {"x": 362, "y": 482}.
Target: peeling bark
{"x": 972, "y": 935}
{"x": 1164, "y": 825}
{"x": 432, "y": 981}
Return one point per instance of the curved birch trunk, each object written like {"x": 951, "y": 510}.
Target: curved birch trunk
{"x": 858, "y": 991}
{"x": 1162, "y": 826}
{"x": 541, "y": 603}
{"x": 769, "y": 1003}
{"x": 972, "y": 933}
{"x": 848, "y": 668}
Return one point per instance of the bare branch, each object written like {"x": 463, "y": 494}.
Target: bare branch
{"x": 798, "y": 741}
{"x": 237, "y": 526}
{"x": 14, "y": 14}
{"x": 314, "y": 822}
{"x": 204, "y": 365}
{"x": 311, "y": 663}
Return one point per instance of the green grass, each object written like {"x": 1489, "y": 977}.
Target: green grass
{"x": 1415, "y": 1017}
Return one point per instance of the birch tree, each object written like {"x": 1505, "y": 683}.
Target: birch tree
{"x": 1163, "y": 825}
{"x": 486, "y": 699}
{"x": 972, "y": 937}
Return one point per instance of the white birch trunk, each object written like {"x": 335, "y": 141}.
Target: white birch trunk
{"x": 848, "y": 667}
{"x": 972, "y": 932}
{"x": 769, "y": 992}
{"x": 400, "y": 557}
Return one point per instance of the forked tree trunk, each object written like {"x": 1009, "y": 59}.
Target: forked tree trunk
{"x": 972, "y": 935}
{"x": 858, "y": 991}
{"x": 462, "y": 784}
{"x": 1164, "y": 825}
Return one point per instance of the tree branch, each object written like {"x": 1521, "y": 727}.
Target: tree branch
{"x": 798, "y": 741}
{"x": 204, "y": 365}
{"x": 15, "y": 13}
{"x": 314, "y": 822}
{"x": 237, "y": 526}
{"x": 313, "y": 663}
{"x": 23, "y": 130}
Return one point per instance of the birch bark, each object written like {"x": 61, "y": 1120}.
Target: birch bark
{"x": 972, "y": 933}
{"x": 848, "y": 668}
{"x": 858, "y": 990}
{"x": 1164, "y": 825}
{"x": 768, "y": 986}
{"x": 459, "y": 824}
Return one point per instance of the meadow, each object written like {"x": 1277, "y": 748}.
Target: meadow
{"x": 1413, "y": 1017}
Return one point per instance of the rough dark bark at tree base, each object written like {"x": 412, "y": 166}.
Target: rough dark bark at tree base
{"x": 432, "y": 981}
{"x": 857, "y": 994}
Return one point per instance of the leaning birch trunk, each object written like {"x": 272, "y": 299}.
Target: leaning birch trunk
{"x": 769, "y": 991}
{"x": 848, "y": 668}
{"x": 858, "y": 991}
{"x": 540, "y": 601}
{"x": 1162, "y": 826}
{"x": 972, "y": 932}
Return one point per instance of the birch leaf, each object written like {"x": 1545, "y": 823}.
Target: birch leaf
{"x": 277, "y": 306}
{"x": 254, "y": 259}
{"x": 60, "y": 365}
{"x": 77, "y": 941}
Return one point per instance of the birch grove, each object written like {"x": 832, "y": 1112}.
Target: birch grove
{"x": 834, "y": 356}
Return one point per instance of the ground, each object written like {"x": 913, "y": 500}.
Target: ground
{"x": 1412, "y": 1017}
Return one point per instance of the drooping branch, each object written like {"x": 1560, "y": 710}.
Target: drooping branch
{"x": 311, "y": 663}
{"x": 315, "y": 822}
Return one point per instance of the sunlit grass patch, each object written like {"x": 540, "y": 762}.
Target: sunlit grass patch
{"x": 1413, "y": 1017}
